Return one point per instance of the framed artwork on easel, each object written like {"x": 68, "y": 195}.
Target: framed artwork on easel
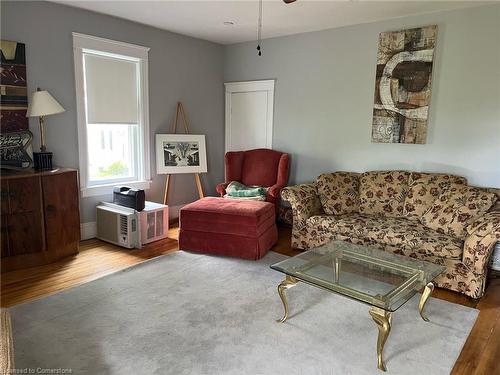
{"x": 180, "y": 153}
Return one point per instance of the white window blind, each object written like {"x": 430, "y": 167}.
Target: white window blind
{"x": 111, "y": 90}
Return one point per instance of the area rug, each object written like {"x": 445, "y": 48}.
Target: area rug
{"x": 6, "y": 346}
{"x": 195, "y": 314}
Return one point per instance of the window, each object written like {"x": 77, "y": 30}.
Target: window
{"x": 112, "y": 105}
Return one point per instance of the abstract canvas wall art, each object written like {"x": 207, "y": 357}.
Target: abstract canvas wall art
{"x": 14, "y": 95}
{"x": 403, "y": 85}
{"x": 15, "y": 137}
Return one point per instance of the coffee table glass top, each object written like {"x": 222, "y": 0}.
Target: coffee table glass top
{"x": 363, "y": 273}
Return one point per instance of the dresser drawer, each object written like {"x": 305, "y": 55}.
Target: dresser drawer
{"x": 40, "y": 220}
{"x": 4, "y": 197}
{"x": 25, "y": 233}
{"x": 25, "y": 195}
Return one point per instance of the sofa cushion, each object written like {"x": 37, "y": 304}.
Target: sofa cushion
{"x": 456, "y": 208}
{"x": 339, "y": 192}
{"x": 383, "y": 193}
{"x": 411, "y": 237}
{"x": 423, "y": 189}
{"x": 261, "y": 167}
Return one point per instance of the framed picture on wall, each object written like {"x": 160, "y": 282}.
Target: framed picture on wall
{"x": 180, "y": 153}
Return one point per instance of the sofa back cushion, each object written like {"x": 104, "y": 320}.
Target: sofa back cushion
{"x": 339, "y": 192}
{"x": 260, "y": 167}
{"x": 383, "y": 192}
{"x": 423, "y": 189}
{"x": 456, "y": 208}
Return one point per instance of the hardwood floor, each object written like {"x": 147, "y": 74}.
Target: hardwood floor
{"x": 96, "y": 259}
{"x": 480, "y": 354}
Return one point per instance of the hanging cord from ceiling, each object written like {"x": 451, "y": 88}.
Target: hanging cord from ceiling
{"x": 259, "y": 30}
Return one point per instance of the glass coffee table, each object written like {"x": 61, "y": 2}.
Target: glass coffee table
{"x": 383, "y": 280}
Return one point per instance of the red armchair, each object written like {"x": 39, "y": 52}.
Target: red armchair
{"x": 261, "y": 167}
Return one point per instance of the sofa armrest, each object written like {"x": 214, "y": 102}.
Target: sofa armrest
{"x": 273, "y": 194}
{"x": 221, "y": 188}
{"x": 305, "y": 203}
{"x": 482, "y": 235}
{"x": 275, "y": 191}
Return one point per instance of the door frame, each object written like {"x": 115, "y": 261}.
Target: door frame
{"x": 251, "y": 86}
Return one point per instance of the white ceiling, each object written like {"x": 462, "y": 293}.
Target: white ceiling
{"x": 205, "y": 19}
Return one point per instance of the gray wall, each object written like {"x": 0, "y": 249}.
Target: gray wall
{"x": 180, "y": 68}
{"x": 325, "y": 90}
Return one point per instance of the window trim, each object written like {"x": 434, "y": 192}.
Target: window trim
{"x": 82, "y": 42}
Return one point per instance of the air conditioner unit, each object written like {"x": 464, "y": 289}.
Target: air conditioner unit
{"x": 118, "y": 225}
{"x": 129, "y": 228}
{"x": 153, "y": 222}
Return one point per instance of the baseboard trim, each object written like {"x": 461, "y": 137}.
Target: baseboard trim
{"x": 88, "y": 230}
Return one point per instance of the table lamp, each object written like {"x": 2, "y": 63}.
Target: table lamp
{"x": 43, "y": 104}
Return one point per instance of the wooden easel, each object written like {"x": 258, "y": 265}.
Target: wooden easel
{"x": 180, "y": 110}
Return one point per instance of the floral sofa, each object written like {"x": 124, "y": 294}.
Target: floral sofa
{"x": 433, "y": 217}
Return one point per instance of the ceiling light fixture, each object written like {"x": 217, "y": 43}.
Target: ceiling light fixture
{"x": 259, "y": 30}
{"x": 228, "y": 23}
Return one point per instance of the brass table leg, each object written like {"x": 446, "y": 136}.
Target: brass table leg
{"x": 425, "y": 296}
{"x": 285, "y": 284}
{"x": 383, "y": 320}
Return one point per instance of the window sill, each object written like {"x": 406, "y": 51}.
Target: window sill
{"x": 93, "y": 191}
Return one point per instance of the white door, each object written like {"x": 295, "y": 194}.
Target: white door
{"x": 249, "y": 115}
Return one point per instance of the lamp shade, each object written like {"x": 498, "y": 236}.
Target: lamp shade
{"x": 43, "y": 104}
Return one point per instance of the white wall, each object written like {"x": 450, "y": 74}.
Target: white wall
{"x": 325, "y": 90}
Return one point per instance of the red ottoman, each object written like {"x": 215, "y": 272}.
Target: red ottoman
{"x": 233, "y": 227}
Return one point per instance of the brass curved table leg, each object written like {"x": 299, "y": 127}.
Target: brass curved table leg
{"x": 285, "y": 284}
{"x": 383, "y": 320}
{"x": 425, "y": 296}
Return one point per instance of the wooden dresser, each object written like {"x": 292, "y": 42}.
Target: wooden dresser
{"x": 40, "y": 221}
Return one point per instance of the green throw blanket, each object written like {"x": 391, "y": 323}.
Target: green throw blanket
{"x": 237, "y": 189}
